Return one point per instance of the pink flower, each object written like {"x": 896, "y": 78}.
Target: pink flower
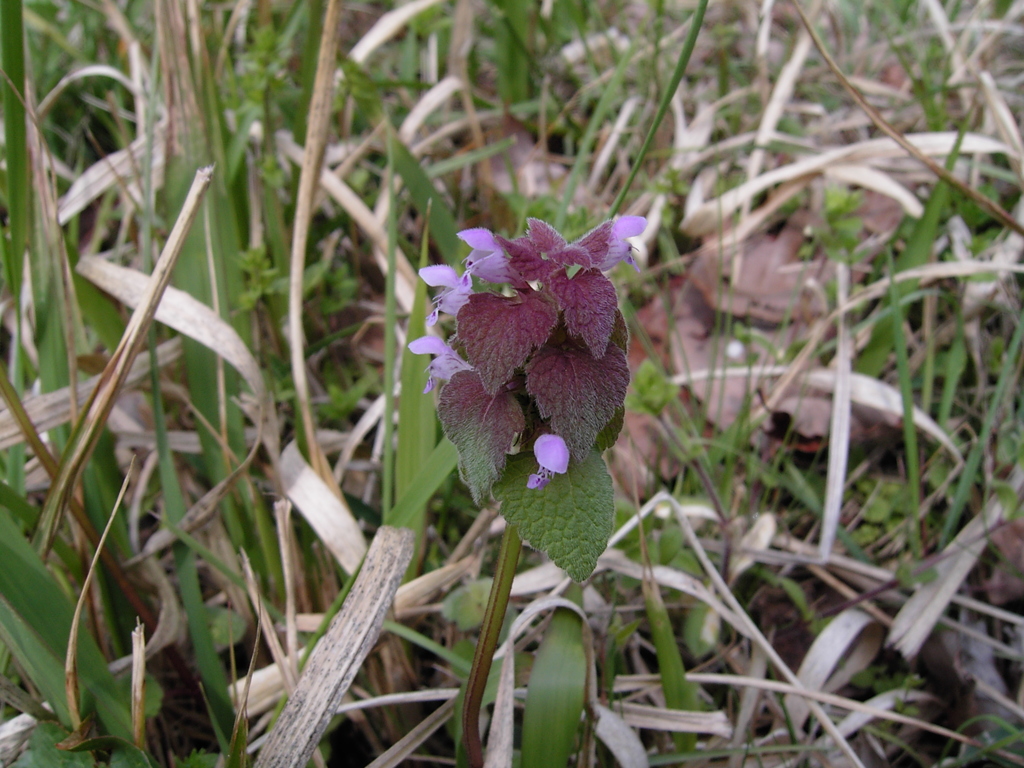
{"x": 618, "y": 248}
{"x": 553, "y": 456}
{"x": 456, "y": 293}
{"x": 487, "y": 260}
{"x": 446, "y": 362}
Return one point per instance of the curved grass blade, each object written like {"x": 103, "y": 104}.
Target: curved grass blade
{"x": 71, "y": 657}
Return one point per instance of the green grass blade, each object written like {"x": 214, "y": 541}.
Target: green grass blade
{"x": 390, "y": 341}
{"x": 207, "y": 660}
{"x": 17, "y": 192}
{"x": 19, "y": 200}
{"x": 969, "y": 476}
{"x": 956, "y": 364}
{"x": 458, "y": 664}
{"x": 36, "y": 658}
{"x": 909, "y": 427}
{"x": 512, "y": 58}
{"x": 554, "y": 696}
{"x": 417, "y": 422}
{"x": 426, "y": 200}
{"x": 872, "y": 359}
{"x": 468, "y": 158}
{"x": 680, "y": 693}
{"x": 35, "y": 622}
{"x": 211, "y": 559}
{"x": 17, "y": 504}
{"x": 666, "y": 99}
{"x": 428, "y": 479}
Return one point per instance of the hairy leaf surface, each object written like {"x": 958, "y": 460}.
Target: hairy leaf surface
{"x": 589, "y": 306}
{"x": 500, "y": 332}
{"x": 482, "y": 426}
{"x": 570, "y": 519}
{"x": 577, "y": 393}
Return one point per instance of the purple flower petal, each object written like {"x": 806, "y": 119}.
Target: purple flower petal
{"x": 552, "y": 453}
{"x": 438, "y": 275}
{"x": 618, "y": 248}
{"x": 479, "y": 238}
{"x": 447, "y": 365}
{"x": 553, "y": 456}
{"x": 446, "y": 362}
{"x": 428, "y": 345}
{"x": 487, "y": 260}
{"x": 536, "y": 482}
{"x": 492, "y": 267}
{"x": 456, "y": 293}
{"x": 628, "y": 226}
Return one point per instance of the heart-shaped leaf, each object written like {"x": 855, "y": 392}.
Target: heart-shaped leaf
{"x": 589, "y": 306}
{"x": 499, "y": 332}
{"x": 578, "y": 393}
{"x": 570, "y": 519}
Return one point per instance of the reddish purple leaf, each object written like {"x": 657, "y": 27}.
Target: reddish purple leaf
{"x": 544, "y": 237}
{"x": 596, "y": 242}
{"x": 499, "y": 332}
{"x": 525, "y": 258}
{"x": 572, "y": 255}
{"x": 588, "y": 304}
{"x": 578, "y": 393}
{"x": 482, "y": 426}
{"x": 620, "y": 333}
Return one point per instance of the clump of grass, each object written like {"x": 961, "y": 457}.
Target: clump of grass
{"x": 772, "y": 591}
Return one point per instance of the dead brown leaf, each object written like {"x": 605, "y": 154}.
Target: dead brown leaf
{"x": 768, "y": 281}
{"x": 804, "y": 419}
{"x": 1006, "y": 584}
{"x": 534, "y": 169}
{"x": 879, "y": 214}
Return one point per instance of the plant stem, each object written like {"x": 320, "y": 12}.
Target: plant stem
{"x": 494, "y": 617}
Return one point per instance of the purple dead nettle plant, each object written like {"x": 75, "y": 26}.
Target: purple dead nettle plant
{"x": 540, "y": 365}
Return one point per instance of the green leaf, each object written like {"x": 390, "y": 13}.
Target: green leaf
{"x": 35, "y": 620}
{"x": 653, "y": 390}
{"x": 466, "y": 605}
{"x": 554, "y": 697}
{"x": 130, "y": 756}
{"x": 42, "y": 750}
{"x": 123, "y": 754}
{"x": 428, "y": 479}
{"x": 570, "y": 519}
{"x": 610, "y": 432}
{"x": 701, "y": 630}
{"x": 198, "y": 759}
